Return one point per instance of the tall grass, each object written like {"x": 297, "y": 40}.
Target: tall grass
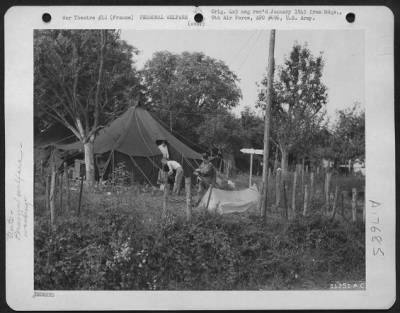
{"x": 121, "y": 241}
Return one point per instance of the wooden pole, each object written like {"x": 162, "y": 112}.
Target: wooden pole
{"x": 305, "y": 206}
{"x": 277, "y": 188}
{"x": 66, "y": 185}
{"x": 285, "y": 200}
{"x": 52, "y": 192}
{"x": 270, "y": 77}
{"x": 48, "y": 180}
{"x": 327, "y": 187}
{"x": 113, "y": 169}
{"x": 270, "y": 180}
{"x": 294, "y": 192}
{"x": 188, "y": 184}
{"x": 269, "y": 174}
{"x": 342, "y": 203}
{"x": 261, "y": 203}
{"x": 354, "y": 205}
{"x": 251, "y": 168}
{"x": 80, "y": 196}
{"x": 335, "y": 202}
{"x": 165, "y": 200}
{"x": 302, "y": 175}
{"x": 311, "y": 186}
{"x": 60, "y": 190}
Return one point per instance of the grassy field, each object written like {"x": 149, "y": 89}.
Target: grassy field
{"x": 120, "y": 241}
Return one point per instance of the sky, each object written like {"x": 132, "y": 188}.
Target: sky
{"x": 246, "y": 53}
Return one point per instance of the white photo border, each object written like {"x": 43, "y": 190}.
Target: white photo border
{"x": 380, "y": 293}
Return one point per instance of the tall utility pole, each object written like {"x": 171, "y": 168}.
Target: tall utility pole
{"x": 270, "y": 79}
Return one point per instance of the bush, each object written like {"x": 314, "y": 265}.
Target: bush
{"x": 116, "y": 251}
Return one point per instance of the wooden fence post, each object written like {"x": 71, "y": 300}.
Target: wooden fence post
{"x": 305, "y": 207}
{"x": 48, "y": 180}
{"x": 165, "y": 200}
{"x": 294, "y": 192}
{"x": 269, "y": 176}
{"x": 354, "y": 205}
{"x": 80, "y": 197}
{"x": 342, "y": 202}
{"x": 327, "y": 188}
{"x": 251, "y": 168}
{"x": 66, "y": 178}
{"x": 277, "y": 188}
{"x": 52, "y": 194}
{"x": 188, "y": 184}
{"x": 60, "y": 190}
{"x": 335, "y": 201}
{"x": 311, "y": 186}
{"x": 302, "y": 176}
{"x": 285, "y": 201}
{"x": 261, "y": 203}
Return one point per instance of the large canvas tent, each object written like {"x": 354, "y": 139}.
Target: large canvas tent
{"x": 131, "y": 140}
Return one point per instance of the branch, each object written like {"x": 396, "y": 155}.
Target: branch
{"x": 65, "y": 105}
{"x": 94, "y": 131}
{"x": 57, "y": 116}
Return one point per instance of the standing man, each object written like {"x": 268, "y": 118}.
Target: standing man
{"x": 206, "y": 174}
{"x": 164, "y": 149}
{"x": 173, "y": 165}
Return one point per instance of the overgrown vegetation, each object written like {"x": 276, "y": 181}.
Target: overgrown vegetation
{"x": 124, "y": 244}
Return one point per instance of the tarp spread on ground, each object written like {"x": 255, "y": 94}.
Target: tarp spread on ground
{"x": 226, "y": 201}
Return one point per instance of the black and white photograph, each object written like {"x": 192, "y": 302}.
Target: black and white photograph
{"x": 237, "y": 161}
{"x": 150, "y": 160}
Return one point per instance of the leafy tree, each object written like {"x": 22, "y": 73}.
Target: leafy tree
{"x": 183, "y": 87}
{"x": 298, "y": 101}
{"x": 252, "y": 128}
{"x": 349, "y": 134}
{"x": 221, "y": 132}
{"x": 83, "y": 79}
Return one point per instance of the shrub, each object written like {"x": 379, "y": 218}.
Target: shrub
{"x": 118, "y": 251}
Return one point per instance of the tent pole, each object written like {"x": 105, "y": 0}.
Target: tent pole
{"x": 143, "y": 173}
{"x": 113, "y": 167}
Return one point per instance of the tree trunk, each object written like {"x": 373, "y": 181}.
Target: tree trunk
{"x": 89, "y": 162}
{"x": 284, "y": 163}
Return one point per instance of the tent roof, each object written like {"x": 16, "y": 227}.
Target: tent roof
{"x": 134, "y": 133}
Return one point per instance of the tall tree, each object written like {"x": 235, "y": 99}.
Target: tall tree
{"x": 348, "y": 142}
{"x": 82, "y": 79}
{"x": 191, "y": 84}
{"x": 222, "y": 132}
{"x": 298, "y": 103}
{"x": 252, "y": 128}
